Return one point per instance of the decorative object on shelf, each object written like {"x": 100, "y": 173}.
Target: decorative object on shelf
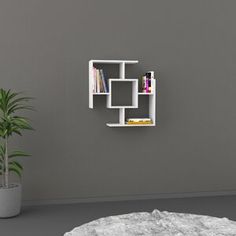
{"x": 11, "y": 124}
{"x": 147, "y": 82}
{"x": 156, "y": 223}
{"x": 99, "y": 84}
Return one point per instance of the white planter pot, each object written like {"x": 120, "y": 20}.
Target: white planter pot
{"x": 10, "y": 200}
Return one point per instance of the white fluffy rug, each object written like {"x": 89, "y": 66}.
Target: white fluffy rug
{"x": 157, "y": 223}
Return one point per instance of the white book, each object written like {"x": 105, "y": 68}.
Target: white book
{"x": 94, "y": 80}
{"x": 98, "y": 81}
{"x": 139, "y": 119}
{"x": 152, "y": 74}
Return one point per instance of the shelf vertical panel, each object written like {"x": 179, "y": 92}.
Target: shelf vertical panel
{"x": 122, "y": 116}
{"x": 90, "y": 72}
{"x": 109, "y": 97}
{"x": 135, "y": 93}
{"x": 152, "y": 102}
{"x": 122, "y": 70}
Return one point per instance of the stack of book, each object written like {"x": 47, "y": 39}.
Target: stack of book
{"x": 147, "y": 82}
{"x": 99, "y": 81}
{"x": 139, "y": 121}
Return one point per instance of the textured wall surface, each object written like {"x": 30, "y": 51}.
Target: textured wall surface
{"x": 45, "y": 47}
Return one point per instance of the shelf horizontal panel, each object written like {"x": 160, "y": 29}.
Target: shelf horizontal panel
{"x": 126, "y": 125}
{"x": 116, "y": 107}
{"x": 122, "y": 80}
{"x": 114, "y": 61}
{"x": 101, "y": 93}
{"x": 140, "y": 93}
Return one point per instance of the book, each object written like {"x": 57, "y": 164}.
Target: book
{"x": 103, "y": 81}
{"x": 94, "y": 80}
{"x": 147, "y": 85}
{"x": 102, "y": 86}
{"x": 95, "y": 87}
{"x": 147, "y": 82}
{"x": 139, "y": 119}
{"x": 144, "y": 81}
{"x": 139, "y": 123}
{"x": 150, "y": 76}
{"x": 98, "y": 81}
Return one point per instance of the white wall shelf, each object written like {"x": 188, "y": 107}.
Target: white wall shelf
{"x": 135, "y": 93}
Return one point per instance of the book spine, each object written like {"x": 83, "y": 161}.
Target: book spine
{"x": 98, "y": 81}
{"x": 151, "y": 74}
{"x": 139, "y": 123}
{"x": 139, "y": 119}
{"x": 151, "y": 78}
{"x": 103, "y": 80}
{"x": 149, "y": 85}
{"x": 94, "y": 80}
{"x": 146, "y": 84}
{"x": 101, "y": 84}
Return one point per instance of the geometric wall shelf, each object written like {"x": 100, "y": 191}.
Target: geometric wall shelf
{"x": 134, "y": 90}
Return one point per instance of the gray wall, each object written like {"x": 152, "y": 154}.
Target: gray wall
{"x": 44, "y": 50}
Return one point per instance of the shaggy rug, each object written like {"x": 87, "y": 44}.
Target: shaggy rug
{"x": 157, "y": 223}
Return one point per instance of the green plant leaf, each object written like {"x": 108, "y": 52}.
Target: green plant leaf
{"x": 21, "y": 122}
{"x": 18, "y": 101}
{"x": 18, "y": 154}
{"x": 15, "y": 124}
{"x": 19, "y": 107}
{"x": 15, "y": 164}
{"x": 3, "y": 101}
{"x": 16, "y": 170}
{"x": 16, "y": 167}
{"x": 2, "y": 151}
{"x": 16, "y": 131}
{"x": 12, "y": 95}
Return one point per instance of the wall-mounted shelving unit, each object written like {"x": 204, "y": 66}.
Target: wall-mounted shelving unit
{"x": 135, "y": 92}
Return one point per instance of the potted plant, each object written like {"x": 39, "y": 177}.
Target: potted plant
{"x": 11, "y": 124}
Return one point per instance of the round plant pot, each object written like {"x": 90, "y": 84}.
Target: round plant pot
{"x": 10, "y": 200}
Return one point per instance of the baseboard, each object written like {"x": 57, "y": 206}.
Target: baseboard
{"x": 128, "y": 197}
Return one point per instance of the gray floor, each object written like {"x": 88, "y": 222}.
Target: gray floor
{"x": 55, "y": 220}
